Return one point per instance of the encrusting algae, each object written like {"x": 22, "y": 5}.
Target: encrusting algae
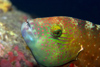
{"x": 5, "y": 5}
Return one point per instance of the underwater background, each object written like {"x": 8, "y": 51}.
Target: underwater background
{"x": 14, "y": 51}
{"x": 82, "y": 9}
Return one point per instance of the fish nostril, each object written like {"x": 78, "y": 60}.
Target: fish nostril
{"x": 28, "y": 24}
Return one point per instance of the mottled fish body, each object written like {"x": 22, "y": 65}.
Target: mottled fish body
{"x": 55, "y": 41}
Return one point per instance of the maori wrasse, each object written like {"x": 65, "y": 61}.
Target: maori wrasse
{"x": 55, "y": 41}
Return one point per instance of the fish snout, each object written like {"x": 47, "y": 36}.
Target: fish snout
{"x": 30, "y": 35}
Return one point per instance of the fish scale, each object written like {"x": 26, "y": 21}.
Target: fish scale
{"x": 76, "y": 37}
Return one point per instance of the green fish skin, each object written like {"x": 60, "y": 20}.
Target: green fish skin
{"x": 55, "y": 41}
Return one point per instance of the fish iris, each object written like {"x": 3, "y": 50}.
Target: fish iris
{"x": 56, "y": 30}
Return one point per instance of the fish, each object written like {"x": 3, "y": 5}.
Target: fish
{"x": 60, "y": 40}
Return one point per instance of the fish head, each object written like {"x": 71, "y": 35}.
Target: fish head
{"x": 53, "y": 40}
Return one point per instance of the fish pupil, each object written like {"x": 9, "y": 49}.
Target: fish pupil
{"x": 57, "y": 33}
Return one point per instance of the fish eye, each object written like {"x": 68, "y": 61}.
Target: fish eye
{"x": 57, "y": 33}
{"x": 56, "y": 30}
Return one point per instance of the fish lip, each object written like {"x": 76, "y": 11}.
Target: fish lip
{"x": 28, "y": 23}
{"x": 25, "y": 25}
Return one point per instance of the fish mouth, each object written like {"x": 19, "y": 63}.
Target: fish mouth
{"x": 28, "y": 33}
{"x": 28, "y": 24}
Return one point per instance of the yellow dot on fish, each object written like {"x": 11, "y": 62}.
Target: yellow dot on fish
{"x": 97, "y": 58}
{"x": 86, "y": 66}
{"x": 92, "y": 54}
{"x": 88, "y": 63}
{"x": 79, "y": 43}
{"x": 84, "y": 60}
{"x": 94, "y": 45}
{"x": 88, "y": 51}
{"x": 99, "y": 48}
{"x": 80, "y": 36}
{"x": 94, "y": 37}
{"x": 83, "y": 40}
{"x": 87, "y": 45}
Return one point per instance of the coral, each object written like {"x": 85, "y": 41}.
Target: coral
{"x": 5, "y": 5}
{"x": 16, "y": 61}
{"x": 1, "y": 51}
{"x": 5, "y": 63}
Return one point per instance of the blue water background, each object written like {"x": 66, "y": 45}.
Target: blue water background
{"x": 82, "y": 9}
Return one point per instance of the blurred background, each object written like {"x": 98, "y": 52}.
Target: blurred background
{"x": 82, "y": 9}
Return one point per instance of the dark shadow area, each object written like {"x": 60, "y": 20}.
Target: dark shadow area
{"x": 82, "y": 9}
